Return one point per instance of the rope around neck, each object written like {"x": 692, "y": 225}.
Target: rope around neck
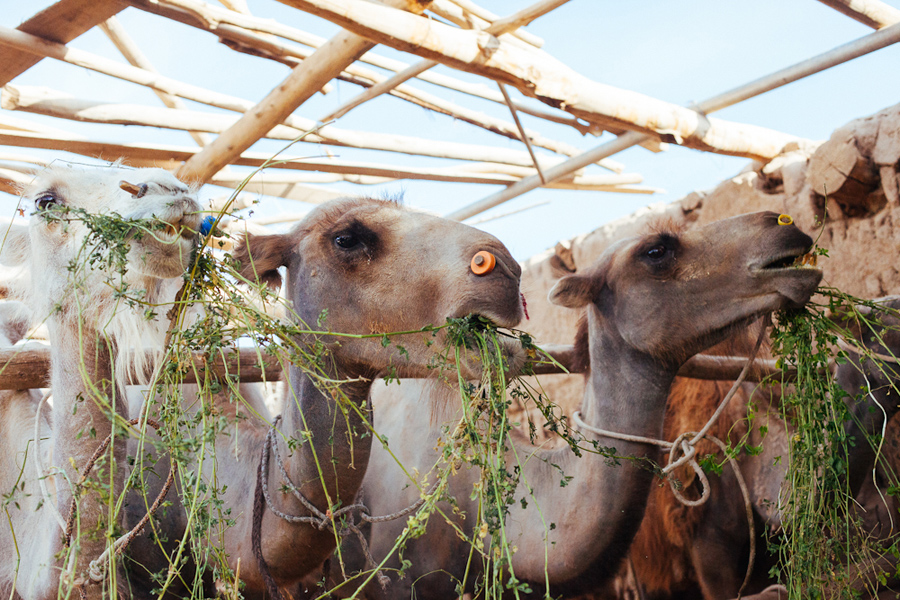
{"x": 318, "y": 519}
{"x": 689, "y": 450}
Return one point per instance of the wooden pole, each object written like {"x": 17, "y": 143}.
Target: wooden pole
{"x": 30, "y": 43}
{"x": 28, "y": 367}
{"x": 169, "y": 157}
{"x": 132, "y": 53}
{"x": 780, "y": 78}
{"x": 519, "y": 19}
{"x": 62, "y": 22}
{"x": 872, "y": 13}
{"x": 480, "y": 19}
{"x": 237, "y": 28}
{"x": 40, "y": 100}
{"x": 306, "y": 79}
{"x": 541, "y": 76}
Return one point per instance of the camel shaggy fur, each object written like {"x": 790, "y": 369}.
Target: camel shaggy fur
{"x": 92, "y": 332}
{"x": 649, "y": 304}
{"x": 685, "y": 550}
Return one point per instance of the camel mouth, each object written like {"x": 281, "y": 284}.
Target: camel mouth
{"x": 792, "y": 259}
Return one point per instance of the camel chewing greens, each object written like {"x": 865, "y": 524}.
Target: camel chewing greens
{"x": 649, "y": 304}
{"x": 93, "y": 297}
{"x": 354, "y": 266}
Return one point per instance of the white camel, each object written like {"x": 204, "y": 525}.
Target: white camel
{"x": 649, "y": 304}
{"x": 71, "y": 284}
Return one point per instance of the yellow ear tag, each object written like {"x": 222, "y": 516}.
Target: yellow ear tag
{"x": 785, "y": 220}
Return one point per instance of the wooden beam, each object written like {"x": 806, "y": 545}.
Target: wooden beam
{"x": 240, "y": 33}
{"x": 759, "y": 86}
{"x": 30, "y": 43}
{"x": 469, "y": 20}
{"x": 62, "y": 22}
{"x": 547, "y": 79}
{"x": 170, "y": 157}
{"x": 305, "y": 80}
{"x": 871, "y": 13}
{"x": 132, "y": 53}
{"x": 28, "y": 366}
{"x": 510, "y": 24}
{"x": 45, "y": 101}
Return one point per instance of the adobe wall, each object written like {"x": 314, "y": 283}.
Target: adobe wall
{"x": 858, "y": 167}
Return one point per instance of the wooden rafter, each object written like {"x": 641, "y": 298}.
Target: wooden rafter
{"x": 45, "y": 101}
{"x": 62, "y": 23}
{"x": 872, "y": 13}
{"x": 171, "y": 157}
{"x": 305, "y": 80}
{"x": 541, "y": 76}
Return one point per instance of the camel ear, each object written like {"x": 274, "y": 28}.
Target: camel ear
{"x": 15, "y": 243}
{"x": 573, "y": 291}
{"x": 259, "y": 257}
{"x": 15, "y": 319}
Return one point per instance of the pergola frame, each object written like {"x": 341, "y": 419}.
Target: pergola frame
{"x": 460, "y": 34}
{"x": 497, "y": 49}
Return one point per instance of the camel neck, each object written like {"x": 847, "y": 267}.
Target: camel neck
{"x": 596, "y": 515}
{"x": 84, "y": 402}
{"x": 330, "y": 451}
{"x": 627, "y": 392}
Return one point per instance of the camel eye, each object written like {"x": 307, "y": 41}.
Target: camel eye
{"x": 346, "y": 241}
{"x": 656, "y": 252}
{"x": 45, "y": 200}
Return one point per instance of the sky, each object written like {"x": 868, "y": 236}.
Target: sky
{"x": 680, "y": 52}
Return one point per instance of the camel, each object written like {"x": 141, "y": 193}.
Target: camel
{"x": 91, "y": 331}
{"x": 679, "y": 549}
{"x": 375, "y": 267}
{"x": 649, "y": 304}
{"x": 19, "y": 408}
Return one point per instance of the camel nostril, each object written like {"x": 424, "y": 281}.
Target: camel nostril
{"x": 483, "y": 263}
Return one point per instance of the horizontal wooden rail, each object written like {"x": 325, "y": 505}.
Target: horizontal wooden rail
{"x": 28, "y": 366}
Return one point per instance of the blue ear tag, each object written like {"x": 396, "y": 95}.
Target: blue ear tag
{"x": 207, "y": 224}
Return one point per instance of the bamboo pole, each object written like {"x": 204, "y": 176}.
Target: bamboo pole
{"x": 61, "y": 22}
{"x": 871, "y": 13}
{"x": 780, "y": 78}
{"x": 169, "y": 157}
{"x": 306, "y": 79}
{"x": 45, "y": 101}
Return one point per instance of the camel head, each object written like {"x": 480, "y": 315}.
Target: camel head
{"x": 157, "y": 220}
{"x": 373, "y": 266}
{"x": 671, "y": 295}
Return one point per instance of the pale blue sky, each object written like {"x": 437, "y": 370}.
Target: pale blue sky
{"x": 675, "y": 51}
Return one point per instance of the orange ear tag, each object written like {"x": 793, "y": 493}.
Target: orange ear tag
{"x": 483, "y": 263}
{"x": 785, "y": 220}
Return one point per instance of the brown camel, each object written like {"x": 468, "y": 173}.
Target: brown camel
{"x": 682, "y": 550}
{"x": 91, "y": 331}
{"x": 375, "y": 267}
{"x": 650, "y": 303}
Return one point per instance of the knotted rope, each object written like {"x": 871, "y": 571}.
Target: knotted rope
{"x": 317, "y": 519}
{"x": 686, "y": 443}
{"x": 97, "y": 567}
